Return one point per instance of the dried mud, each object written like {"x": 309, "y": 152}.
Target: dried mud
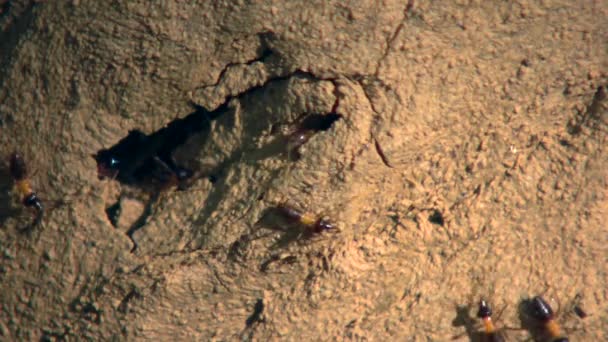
{"x": 470, "y": 161}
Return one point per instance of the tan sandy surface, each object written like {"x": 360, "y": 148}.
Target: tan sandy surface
{"x": 492, "y": 117}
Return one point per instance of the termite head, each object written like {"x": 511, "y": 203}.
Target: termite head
{"x": 297, "y": 139}
{"x": 540, "y": 310}
{"x": 107, "y": 165}
{"x": 32, "y": 200}
{"x": 307, "y": 127}
{"x": 484, "y": 310}
{"x": 323, "y": 225}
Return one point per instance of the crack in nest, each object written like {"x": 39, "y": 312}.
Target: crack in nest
{"x": 391, "y": 40}
{"x": 267, "y": 51}
{"x": 296, "y": 73}
{"x": 375, "y": 125}
{"x": 592, "y": 116}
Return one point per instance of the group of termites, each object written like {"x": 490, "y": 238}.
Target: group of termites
{"x": 110, "y": 163}
{"x": 544, "y": 319}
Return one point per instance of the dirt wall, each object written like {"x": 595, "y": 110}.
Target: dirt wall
{"x": 469, "y": 161}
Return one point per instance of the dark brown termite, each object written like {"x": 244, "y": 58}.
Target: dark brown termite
{"x": 542, "y": 313}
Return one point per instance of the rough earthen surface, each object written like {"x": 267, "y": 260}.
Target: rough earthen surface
{"x": 470, "y": 161}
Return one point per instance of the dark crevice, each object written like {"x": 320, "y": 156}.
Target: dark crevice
{"x": 139, "y": 158}
{"x": 336, "y": 92}
{"x": 87, "y": 309}
{"x": 580, "y": 312}
{"x": 113, "y": 213}
{"x": 319, "y": 122}
{"x": 437, "y": 218}
{"x": 256, "y": 316}
{"x": 593, "y": 114}
{"x": 123, "y": 307}
{"x": 381, "y": 153}
{"x": 238, "y": 249}
{"x": 253, "y": 321}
